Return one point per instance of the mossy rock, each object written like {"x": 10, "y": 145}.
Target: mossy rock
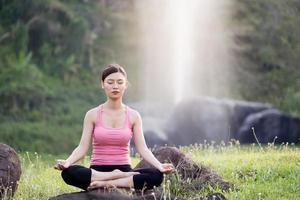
{"x": 10, "y": 171}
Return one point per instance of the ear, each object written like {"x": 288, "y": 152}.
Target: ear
{"x": 102, "y": 85}
{"x": 126, "y": 84}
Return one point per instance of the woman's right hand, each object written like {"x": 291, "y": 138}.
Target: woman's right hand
{"x": 167, "y": 168}
{"x": 62, "y": 164}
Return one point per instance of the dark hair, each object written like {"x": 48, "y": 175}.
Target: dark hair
{"x": 112, "y": 68}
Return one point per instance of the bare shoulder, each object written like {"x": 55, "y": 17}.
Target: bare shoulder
{"x": 91, "y": 114}
{"x": 134, "y": 115}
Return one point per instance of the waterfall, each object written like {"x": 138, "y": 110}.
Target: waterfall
{"x": 185, "y": 49}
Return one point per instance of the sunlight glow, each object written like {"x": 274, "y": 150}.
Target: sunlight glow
{"x": 185, "y": 49}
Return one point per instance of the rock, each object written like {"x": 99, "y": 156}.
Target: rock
{"x": 270, "y": 126}
{"x": 187, "y": 168}
{"x": 10, "y": 171}
{"x": 112, "y": 194}
{"x": 208, "y": 119}
{"x": 91, "y": 195}
{"x": 154, "y": 140}
{"x": 154, "y": 117}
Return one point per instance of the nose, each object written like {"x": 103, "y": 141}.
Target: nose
{"x": 115, "y": 85}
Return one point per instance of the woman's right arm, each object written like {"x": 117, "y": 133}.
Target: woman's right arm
{"x": 80, "y": 151}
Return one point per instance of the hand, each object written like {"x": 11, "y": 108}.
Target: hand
{"x": 62, "y": 164}
{"x": 167, "y": 168}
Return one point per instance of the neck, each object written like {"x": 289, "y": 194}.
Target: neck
{"x": 113, "y": 104}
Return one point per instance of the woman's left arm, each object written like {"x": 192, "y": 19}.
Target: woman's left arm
{"x": 142, "y": 148}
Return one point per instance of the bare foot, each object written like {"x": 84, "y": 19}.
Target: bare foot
{"x": 120, "y": 174}
{"x": 131, "y": 173}
{"x": 98, "y": 184}
{"x": 117, "y": 174}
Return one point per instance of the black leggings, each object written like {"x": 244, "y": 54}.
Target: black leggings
{"x": 80, "y": 176}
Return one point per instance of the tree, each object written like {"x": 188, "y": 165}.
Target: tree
{"x": 268, "y": 50}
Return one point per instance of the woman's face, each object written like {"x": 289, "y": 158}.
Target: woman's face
{"x": 115, "y": 85}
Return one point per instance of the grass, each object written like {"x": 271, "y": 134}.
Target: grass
{"x": 270, "y": 172}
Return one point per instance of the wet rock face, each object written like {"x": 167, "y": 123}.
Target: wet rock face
{"x": 10, "y": 171}
{"x": 270, "y": 126}
{"x": 208, "y": 119}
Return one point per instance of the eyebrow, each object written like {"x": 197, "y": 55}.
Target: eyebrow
{"x": 115, "y": 79}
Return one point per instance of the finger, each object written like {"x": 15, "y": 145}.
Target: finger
{"x": 170, "y": 165}
{"x": 59, "y": 161}
{"x": 61, "y": 166}
{"x": 169, "y": 170}
{"x": 57, "y": 167}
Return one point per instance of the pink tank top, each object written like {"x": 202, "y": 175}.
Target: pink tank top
{"x": 111, "y": 145}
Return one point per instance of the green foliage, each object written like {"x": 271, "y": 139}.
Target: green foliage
{"x": 269, "y": 48}
{"x": 55, "y": 128}
{"x": 22, "y": 85}
{"x": 50, "y": 53}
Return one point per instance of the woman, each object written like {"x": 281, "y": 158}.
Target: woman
{"x": 110, "y": 127}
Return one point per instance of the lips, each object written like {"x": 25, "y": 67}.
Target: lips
{"x": 115, "y": 92}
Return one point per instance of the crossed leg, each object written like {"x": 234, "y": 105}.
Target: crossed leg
{"x": 124, "y": 182}
{"x": 87, "y": 178}
{"x": 106, "y": 176}
{"x": 144, "y": 178}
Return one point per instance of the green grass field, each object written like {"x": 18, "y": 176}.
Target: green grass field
{"x": 270, "y": 172}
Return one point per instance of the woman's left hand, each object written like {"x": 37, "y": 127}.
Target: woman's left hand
{"x": 167, "y": 168}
